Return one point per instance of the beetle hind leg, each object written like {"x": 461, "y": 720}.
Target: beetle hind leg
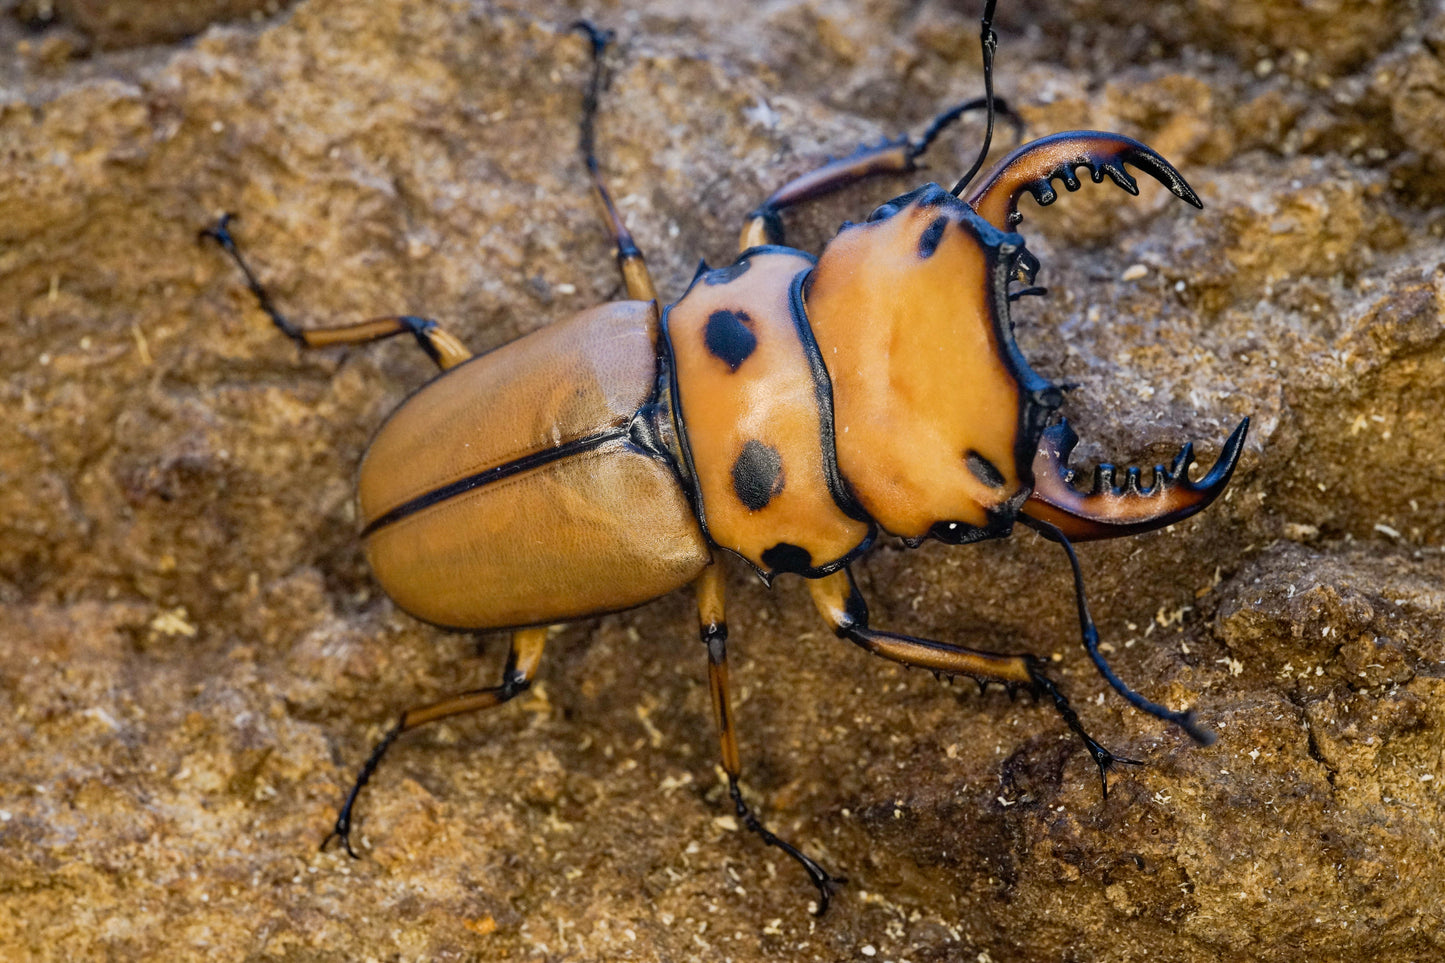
{"x": 840, "y": 603}
{"x": 440, "y": 346}
{"x": 714, "y": 636}
{"x": 522, "y": 661}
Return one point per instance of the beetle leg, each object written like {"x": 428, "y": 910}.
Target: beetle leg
{"x": 709, "y": 588}
{"x": 1184, "y": 720}
{"x": 842, "y": 606}
{"x": 629, "y": 256}
{"x": 900, "y": 156}
{"x": 441, "y": 347}
{"x": 522, "y": 662}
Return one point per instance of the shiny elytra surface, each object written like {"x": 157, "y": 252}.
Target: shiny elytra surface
{"x": 601, "y": 528}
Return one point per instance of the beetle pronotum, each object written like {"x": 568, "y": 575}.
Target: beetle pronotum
{"x": 759, "y": 414}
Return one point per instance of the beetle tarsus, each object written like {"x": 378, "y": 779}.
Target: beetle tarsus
{"x": 342, "y": 829}
{"x": 1184, "y": 720}
{"x": 221, "y": 234}
{"x": 820, "y": 877}
{"x": 1103, "y": 758}
{"x": 600, "y": 39}
{"x": 630, "y": 261}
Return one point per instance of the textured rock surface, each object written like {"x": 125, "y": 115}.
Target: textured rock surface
{"x": 193, "y": 660}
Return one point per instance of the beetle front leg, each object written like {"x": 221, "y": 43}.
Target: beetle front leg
{"x": 1184, "y": 720}
{"x": 899, "y": 156}
{"x": 709, "y": 588}
{"x": 441, "y": 347}
{"x": 522, "y": 661}
{"x": 842, "y": 606}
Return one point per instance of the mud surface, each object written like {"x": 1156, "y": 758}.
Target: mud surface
{"x": 194, "y": 661}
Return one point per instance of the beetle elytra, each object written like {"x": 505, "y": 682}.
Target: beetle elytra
{"x": 786, "y": 408}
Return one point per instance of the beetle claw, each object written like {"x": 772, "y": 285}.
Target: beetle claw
{"x": 341, "y": 831}
{"x": 1111, "y": 508}
{"x": 1106, "y": 761}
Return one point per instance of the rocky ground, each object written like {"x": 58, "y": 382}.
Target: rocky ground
{"x": 193, "y": 659}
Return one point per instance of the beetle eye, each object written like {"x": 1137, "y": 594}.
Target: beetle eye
{"x": 882, "y": 211}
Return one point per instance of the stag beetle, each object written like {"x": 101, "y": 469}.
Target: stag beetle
{"x": 785, "y": 409}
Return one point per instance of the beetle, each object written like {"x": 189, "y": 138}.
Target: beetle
{"x": 786, "y": 409}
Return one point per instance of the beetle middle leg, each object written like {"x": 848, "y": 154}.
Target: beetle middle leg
{"x": 522, "y": 661}
{"x": 841, "y": 604}
{"x": 629, "y": 256}
{"x": 709, "y": 588}
{"x": 439, "y": 345}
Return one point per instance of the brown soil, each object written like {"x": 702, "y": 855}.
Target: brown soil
{"x": 193, "y": 659}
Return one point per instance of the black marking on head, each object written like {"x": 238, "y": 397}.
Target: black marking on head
{"x": 932, "y": 234}
{"x": 723, "y": 275}
{"x": 882, "y": 212}
{"x": 757, "y": 475}
{"x": 929, "y": 195}
{"x": 999, "y": 525}
{"x": 727, "y": 337}
{"x": 984, "y": 470}
{"x": 785, "y": 557}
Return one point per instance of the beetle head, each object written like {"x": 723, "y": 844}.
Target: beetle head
{"x": 937, "y": 414}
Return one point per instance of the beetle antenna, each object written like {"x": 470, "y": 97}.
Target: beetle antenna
{"x": 1184, "y": 720}
{"x": 989, "y": 41}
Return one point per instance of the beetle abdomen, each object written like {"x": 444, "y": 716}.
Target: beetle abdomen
{"x": 754, "y": 406}
{"x": 510, "y": 490}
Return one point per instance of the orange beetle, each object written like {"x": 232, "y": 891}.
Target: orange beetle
{"x": 785, "y": 409}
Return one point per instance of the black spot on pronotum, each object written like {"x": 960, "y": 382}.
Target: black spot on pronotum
{"x": 757, "y": 475}
{"x": 723, "y": 275}
{"x": 984, "y": 470}
{"x": 727, "y": 337}
{"x": 932, "y": 234}
{"x": 784, "y": 557}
